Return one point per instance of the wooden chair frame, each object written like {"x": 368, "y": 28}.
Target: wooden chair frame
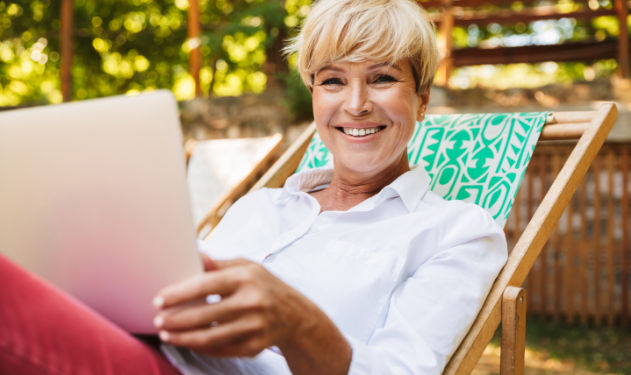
{"x": 214, "y": 215}
{"x": 506, "y": 301}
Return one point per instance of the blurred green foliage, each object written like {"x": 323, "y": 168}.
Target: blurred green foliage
{"x": 135, "y": 45}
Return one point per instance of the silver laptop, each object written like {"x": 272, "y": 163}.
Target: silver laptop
{"x": 93, "y": 198}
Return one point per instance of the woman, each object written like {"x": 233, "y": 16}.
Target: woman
{"x": 356, "y": 269}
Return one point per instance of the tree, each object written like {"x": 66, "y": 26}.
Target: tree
{"x": 127, "y": 46}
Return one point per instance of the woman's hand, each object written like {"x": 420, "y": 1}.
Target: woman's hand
{"x": 255, "y": 311}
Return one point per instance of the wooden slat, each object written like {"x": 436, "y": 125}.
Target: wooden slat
{"x": 624, "y": 248}
{"x": 510, "y": 16}
{"x": 569, "y": 117}
{"x": 598, "y": 250}
{"x": 287, "y": 163}
{"x": 576, "y": 51}
{"x": 582, "y": 256}
{"x": 517, "y": 217}
{"x": 531, "y": 241}
{"x": 558, "y": 275}
{"x": 610, "y": 302}
{"x": 563, "y": 131}
{"x": 530, "y": 201}
{"x": 439, "y": 4}
{"x": 543, "y": 258}
{"x": 569, "y": 264}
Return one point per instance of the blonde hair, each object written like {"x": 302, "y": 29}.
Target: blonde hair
{"x": 358, "y": 30}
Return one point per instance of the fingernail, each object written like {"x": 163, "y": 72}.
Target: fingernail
{"x": 158, "y": 302}
{"x": 158, "y": 321}
{"x": 164, "y": 336}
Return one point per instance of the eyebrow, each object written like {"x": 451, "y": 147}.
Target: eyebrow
{"x": 331, "y": 68}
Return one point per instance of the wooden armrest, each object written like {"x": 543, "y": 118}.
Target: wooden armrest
{"x": 513, "y": 349}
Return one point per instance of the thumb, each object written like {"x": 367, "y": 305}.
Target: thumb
{"x": 220, "y": 264}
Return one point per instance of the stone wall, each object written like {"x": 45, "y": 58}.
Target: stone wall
{"x": 234, "y": 117}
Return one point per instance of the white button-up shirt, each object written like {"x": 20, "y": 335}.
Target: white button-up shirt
{"x": 402, "y": 274}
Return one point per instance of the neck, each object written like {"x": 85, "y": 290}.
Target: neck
{"x": 348, "y": 189}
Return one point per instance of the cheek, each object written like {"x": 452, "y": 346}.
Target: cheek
{"x": 402, "y": 108}
{"x": 322, "y": 110}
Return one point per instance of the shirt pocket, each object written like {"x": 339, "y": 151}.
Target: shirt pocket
{"x": 360, "y": 281}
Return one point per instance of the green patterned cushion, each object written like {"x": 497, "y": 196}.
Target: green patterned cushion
{"x": 479, "y": 158}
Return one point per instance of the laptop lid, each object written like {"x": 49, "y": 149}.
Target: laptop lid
{"x": 93, "y": 198}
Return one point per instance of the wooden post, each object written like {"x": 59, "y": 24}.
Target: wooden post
{"x": 513, "y": 331}
{"x": 66, "y": 49}
{"x": 445, "y": 41}
{"x": 195, "y": 54}
{"x": 623, "y": 38}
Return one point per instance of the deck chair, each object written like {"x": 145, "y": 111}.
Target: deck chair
{"x": 221, "y": 171}
{"x": 431, "y": 146}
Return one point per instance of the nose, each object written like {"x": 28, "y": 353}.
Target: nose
{"x": 358, "y": 101}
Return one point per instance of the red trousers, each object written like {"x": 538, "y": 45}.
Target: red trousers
{"x": 45, "y": 331}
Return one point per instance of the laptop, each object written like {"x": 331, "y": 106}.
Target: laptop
{"x": 93, "y": 199}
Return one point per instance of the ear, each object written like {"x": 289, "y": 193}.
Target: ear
{"x": 422, "y": 106}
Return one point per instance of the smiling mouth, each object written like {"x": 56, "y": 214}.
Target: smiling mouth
{"x": 360, "y": 132}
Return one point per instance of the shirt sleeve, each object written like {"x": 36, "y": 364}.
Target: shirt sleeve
{"x": 430, "y": 312}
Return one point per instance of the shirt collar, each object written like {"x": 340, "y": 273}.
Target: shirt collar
{"x": 410, "y": 186}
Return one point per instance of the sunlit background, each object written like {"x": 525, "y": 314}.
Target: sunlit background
{"x": 136, "y": 45}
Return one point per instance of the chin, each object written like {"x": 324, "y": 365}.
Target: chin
{"x": 363, "y": 166}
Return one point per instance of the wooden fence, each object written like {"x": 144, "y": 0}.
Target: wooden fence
{"x": 582, "y": 274}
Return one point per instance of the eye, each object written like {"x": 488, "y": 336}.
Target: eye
{"x": 331, "y": 81}
{"x": 384, "y": 78}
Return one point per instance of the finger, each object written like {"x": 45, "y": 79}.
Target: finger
{"x": 200, "y": 315}
{"x": 210, "y": 337}
{"x": 227, "y": 263}
{"x": 196, "y": 287}
{"x": 209, "y": 264}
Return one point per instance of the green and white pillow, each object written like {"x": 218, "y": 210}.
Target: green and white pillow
{"x": 480, "y": 158}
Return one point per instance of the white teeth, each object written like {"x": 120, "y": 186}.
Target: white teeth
{"x": 360, "y": 132}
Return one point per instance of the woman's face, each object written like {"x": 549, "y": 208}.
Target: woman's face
{"x": 365, "y": 113}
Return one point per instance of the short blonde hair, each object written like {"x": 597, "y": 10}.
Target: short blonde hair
{"x": 358, "y": 30}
